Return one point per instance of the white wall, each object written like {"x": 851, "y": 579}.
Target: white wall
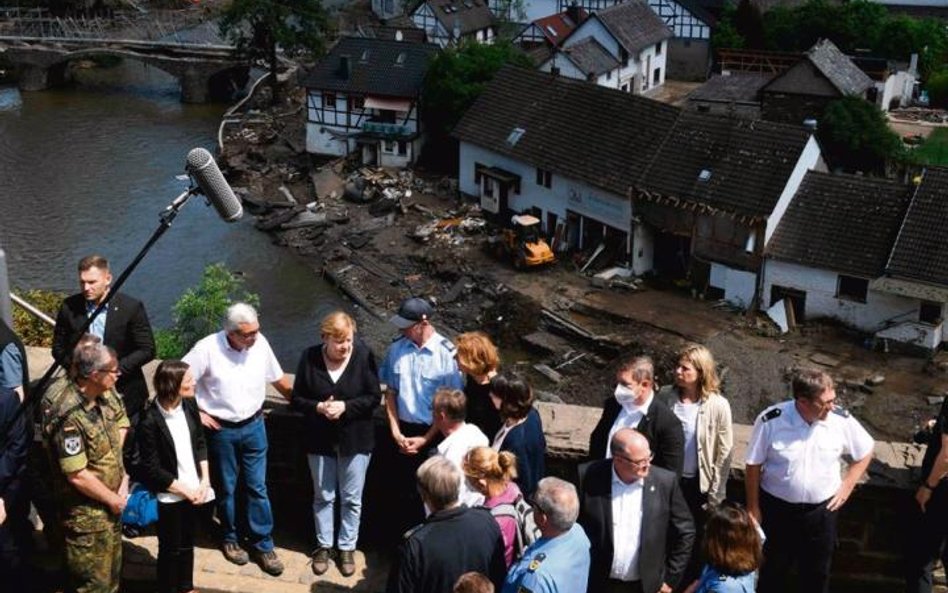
{"x": 567, "y": 67}
{"x": 643, "y": 249}
{"x": 919, "y": 334}
{"x": 739, "y": 286}
{"x": 897, "y": 86}
{"x": 565, "y": 194}
{"x": 809, "y": 159}
{"x": 821, "y": 300}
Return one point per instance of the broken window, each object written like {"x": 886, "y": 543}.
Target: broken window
{"x": 851, "y": 288}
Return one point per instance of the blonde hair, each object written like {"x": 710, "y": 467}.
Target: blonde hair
{"x": 496, "y": 469}
{"x": 337, "y": 326}
{"x": 477, "y": 353}
{"x": 700, "y": 357}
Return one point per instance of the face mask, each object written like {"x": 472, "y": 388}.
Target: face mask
{"x": 624, "y": 395}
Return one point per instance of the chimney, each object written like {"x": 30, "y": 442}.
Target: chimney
{"x": 574, "y": 14}
{"x": 345, "y": 67}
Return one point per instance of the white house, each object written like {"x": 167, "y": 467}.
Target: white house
{"x": 631, "y": 34}
{"x": 364, "y": 95}
{"x": 563, "y": 150}
{"x": 447, "y": 22}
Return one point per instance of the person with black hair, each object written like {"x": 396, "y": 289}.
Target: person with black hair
{"x": 522, "y": 430}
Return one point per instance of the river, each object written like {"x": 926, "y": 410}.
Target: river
{"x": 88, "y": 168}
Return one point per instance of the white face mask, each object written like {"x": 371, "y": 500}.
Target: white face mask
{"x": 625, "y": 396}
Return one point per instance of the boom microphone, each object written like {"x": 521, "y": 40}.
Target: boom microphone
{"x": 204, "y": 170}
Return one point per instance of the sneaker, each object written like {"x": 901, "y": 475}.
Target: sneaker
{"x": 347, "y": 565}
{"x": 320, "y": 563}
{"x": 234, "y": 553}
{"x": 270, "y": 563}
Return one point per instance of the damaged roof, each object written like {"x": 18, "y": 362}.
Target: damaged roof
{"x": 634, "y": 25}
{"x": 921, "y": 249}
{"x": 732, "y": 165}
{"x": 583, "y": 131}
{"x": 844, "y": 223}
{"x": 590, "y": 57}
{"x": 838, "y": 68}
{"x": 376, "y": 67}
{"x": 470, "y": 15}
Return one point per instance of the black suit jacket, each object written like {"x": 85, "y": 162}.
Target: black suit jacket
{"x": 159, "y": 459}
{"x": 660, "y": 426}
{"x": 126, "y": 330}
{"x": 667, "y": 535}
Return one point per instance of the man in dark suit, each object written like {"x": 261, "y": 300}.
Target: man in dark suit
{"x": 636, "y": 518}
{"x": 634, "y": 405}
{"x": 123, "y": 326}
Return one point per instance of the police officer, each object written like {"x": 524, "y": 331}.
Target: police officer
{"x": 793, "y": 479}
{"x": 559, "y": 560}
{"x": 417, "y": 364}
{"x": 929, "y": 520}
{"x": 87, "y": 435}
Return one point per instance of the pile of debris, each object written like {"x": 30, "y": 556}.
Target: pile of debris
{"x": 924, "y": 114}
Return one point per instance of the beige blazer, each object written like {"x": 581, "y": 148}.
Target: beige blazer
{"x": 715, "y": 440}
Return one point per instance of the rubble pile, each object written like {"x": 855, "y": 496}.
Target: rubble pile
{"x": 922, "y": 114}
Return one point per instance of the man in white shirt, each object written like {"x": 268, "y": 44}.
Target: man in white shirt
{"x": 450, "y": 410}
{"x": 232, "y": 368}
{"x": 636, "y": 518}
{"x": 793, "y": 483}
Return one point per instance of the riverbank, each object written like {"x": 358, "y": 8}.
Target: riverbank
{"x": 410, "y": 233}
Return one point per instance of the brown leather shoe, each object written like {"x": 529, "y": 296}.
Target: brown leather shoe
{"x": 234, "y": 553}
{"x": 269, "y": 563}
{"x": 347, "y": 565}
{"x": 320, "y": 563}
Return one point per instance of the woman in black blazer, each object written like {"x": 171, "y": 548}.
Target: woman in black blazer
{"x": 174, "y": 466}
{"x": 337, "y": 389}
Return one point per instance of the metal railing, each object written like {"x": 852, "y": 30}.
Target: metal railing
{"x": 32, "y": 310}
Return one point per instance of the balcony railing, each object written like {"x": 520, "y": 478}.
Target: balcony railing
{"x": 385, "y": 129}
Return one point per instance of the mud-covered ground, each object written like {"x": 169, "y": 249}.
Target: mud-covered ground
{"x": 554, "y": 316}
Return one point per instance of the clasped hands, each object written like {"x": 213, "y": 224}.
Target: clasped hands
{"x": 331, "y": 408}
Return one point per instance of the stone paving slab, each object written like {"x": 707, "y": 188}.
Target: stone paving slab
{"x": 212, "y": 572}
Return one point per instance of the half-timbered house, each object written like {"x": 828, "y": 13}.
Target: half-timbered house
{"x": 448, "y": 22}
{"x": 363, "y": 95}
{"x": 689, "y": 50}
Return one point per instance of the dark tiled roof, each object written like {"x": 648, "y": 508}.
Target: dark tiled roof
{"x": 843, "y": 223}
{"x": 376, "y": 67}
{"x": 634, "y": 25}
{"x": 591, "y": 57}
{"x": 411, "y": 33}
{"x": 699, "y": 11}
{"x": 602, "y": 136}
{"x": 749, "y": 163}
{"x": 921, "y": 250}
{"x": 470, "y": 15}
{"x": 838, "y": 68}
{"x": 740, "y": 87}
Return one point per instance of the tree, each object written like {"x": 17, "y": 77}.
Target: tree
{"x": 938, "y": 89}
{"x": 855, "y": 136}
{"x": 749, "y": 24}
{"x": 200, "y": 310}
{"x": 258, "y": 28}
{"x": 456, "y": 77}
{"x": 726, "y": 35}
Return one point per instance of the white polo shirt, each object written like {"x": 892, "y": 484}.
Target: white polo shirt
{"x": 232, "y": 384}
{"x": 626, "y": 528}
{"x": 454, "y": 447}
{"x": 802, "y": 463}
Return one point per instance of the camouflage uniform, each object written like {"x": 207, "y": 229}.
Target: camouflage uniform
{"x": 87, "y": 435}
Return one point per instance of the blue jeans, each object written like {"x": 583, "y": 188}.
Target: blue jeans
{"x": 243, "y": 450}
{"x": 348, "y": 472}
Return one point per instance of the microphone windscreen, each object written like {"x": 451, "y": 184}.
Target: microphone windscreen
{"x": 209, "y": 178}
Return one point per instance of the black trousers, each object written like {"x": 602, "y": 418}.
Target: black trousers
{"x": 927, "y": 539}
{"x": 176, "y": 522}
{"x": 801, "y": 534}
{"x": 691, "y": 490}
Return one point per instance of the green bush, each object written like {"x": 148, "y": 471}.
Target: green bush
{"x": 201, "y": 309}
{"x": 33, "y": 331}
{"x": 938, "y": 89}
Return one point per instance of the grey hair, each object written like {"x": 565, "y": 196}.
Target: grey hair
{"x": 238, "y": 314}
{"x": 641, "y": 367}
{"x": 92, "y": 357}
{"x": 439, "y": 481}
{"x": 559, "y": 502}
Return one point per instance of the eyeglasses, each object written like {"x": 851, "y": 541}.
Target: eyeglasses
{"x": 534, "y": 503}
{"x": 114, "y": 371}
{"x": 640, "y": 463}
{"x": 246, "y": 335}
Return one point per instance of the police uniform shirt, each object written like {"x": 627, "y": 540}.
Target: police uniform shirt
{"x": 88, "y": 436}
{"x": 416, "y": 373}
{"x": 552, "y": 565}
{"x": 801, "y": 462}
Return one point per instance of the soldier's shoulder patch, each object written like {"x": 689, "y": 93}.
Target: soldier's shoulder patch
{"x": 771, "y": 414}
{"x": 448, "y": 345}
{"x": 72, "y": 440}
{"x": 536, "y": 562}
{"x": 841, "y": 412}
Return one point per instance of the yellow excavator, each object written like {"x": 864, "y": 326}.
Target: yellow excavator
{"x": 523, "y": 243}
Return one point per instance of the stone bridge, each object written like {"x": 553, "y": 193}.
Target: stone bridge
{"x": 202, "y": 70}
